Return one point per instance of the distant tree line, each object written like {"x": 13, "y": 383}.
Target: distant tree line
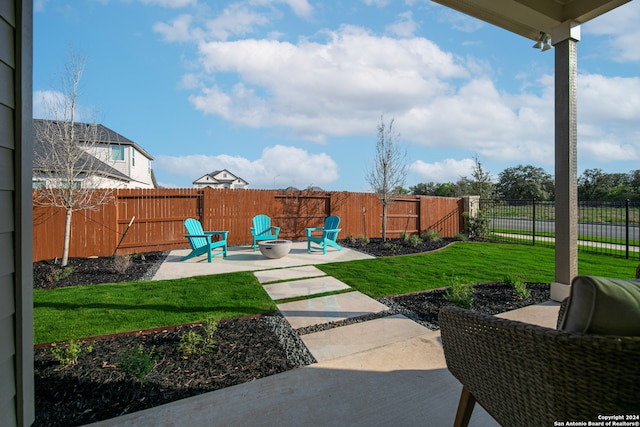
{"x": 526, "y": 182}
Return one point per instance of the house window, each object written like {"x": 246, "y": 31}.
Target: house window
{"x": 133, "y": 157}
{"x": 117, "y": 152}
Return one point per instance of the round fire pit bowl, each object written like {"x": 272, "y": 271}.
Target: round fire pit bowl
{"x": 275, "y": 248}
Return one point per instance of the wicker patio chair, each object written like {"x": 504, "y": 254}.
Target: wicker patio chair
{"x": 527, "y": 375}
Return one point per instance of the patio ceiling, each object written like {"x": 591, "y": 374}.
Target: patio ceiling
{"x": 529, "y": 17}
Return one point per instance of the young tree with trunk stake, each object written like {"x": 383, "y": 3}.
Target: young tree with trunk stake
{"x": 70, "y": 177}
{"x": 389, "y": 169}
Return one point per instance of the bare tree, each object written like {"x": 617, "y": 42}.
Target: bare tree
{"x": 389, "y": 169}
{"x": 68, "y": 176}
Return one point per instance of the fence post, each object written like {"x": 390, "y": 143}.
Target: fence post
{"x": 471, "y": 207}
{"x": 533, "y": 224}
{"x": 626, "y": 229}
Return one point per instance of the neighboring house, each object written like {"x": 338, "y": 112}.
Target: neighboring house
{"x": 115, "y": 161}
{"x": 220, "y": 179}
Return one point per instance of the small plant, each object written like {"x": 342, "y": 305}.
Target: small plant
{"x": 194, "y": 343}
{"x": 69, "y": 355}
{"x": 121, "y": 263}
{"x": 459, "y": 293}
{"x": 190, "y": 343}
{"x": 363, "y": 240}
{"x": 404, "y": 236}
{"x": 57, "y": 274}
{"x": 350, "y": 240}
{"x": 518, "y": 286}
{"x": 460, "y": 237}
{"x": 414, "y": 241}
{"x": 137, "y": 362}
{"x": 431, "y": 236}
{"x": 393, "y": 247}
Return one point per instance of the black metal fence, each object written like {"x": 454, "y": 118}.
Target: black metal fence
{"x": 606, "y": 227}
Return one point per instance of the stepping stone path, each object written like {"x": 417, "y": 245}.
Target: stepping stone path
{"x": 307, "y": 284}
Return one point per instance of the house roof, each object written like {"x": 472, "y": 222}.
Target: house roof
{"x": 41, "y": 152}
{"x": 103, "y": 135}
{"x": 212, "y": 176}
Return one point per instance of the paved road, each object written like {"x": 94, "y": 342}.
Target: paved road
{"x": 584, "y": 229}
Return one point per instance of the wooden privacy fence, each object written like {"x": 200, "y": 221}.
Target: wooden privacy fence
{"x": 160, "y": 213}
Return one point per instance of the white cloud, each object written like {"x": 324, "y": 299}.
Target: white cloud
{"x": 279, "y": 166}
{"x": 301, "y": 8}
{"x": 235, "y": 20}
{"x": 170, "y": 3}
{"x": 179, "y": 30}
{"x": 404, "y": 26}
{"x": 621, "y": 25}
{"x": 51, "y": 105}
{"x": 609, "y": 150}
{"x": 337, "y": 88}
{"x": 449, "y": 170}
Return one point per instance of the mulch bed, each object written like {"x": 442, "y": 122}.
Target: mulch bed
{"x": 97, "y": 386}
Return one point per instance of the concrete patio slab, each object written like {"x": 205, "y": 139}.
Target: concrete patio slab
{"x": 304, "y": 287}
{"x": 243, "y": 258}
{"x": 358, "y": 337}
{"x": 293, "y": 273}
{"x": 402, "y": 384}
{"x": 327, "y": 309}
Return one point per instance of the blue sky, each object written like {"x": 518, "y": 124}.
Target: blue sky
{"x": 290, "y": 92}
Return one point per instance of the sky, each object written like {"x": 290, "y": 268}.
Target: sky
{"x": 291, "y": 92}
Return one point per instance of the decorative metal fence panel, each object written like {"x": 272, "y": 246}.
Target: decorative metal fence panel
{"x": 606, "y": 227}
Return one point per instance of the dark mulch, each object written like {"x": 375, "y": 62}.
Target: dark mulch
{"x": 394, "y": 247}
{"x": 93, "y": 271}
{"x": 490, "y": 298}
{"x": 96, "y": 388}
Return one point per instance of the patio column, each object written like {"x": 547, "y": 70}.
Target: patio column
{"x": 565, "y": 38}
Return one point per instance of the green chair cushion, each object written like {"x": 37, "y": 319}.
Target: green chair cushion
{"x": 603, "y": 306}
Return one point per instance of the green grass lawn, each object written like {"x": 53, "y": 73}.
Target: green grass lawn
{"x": 471, "y": 262}
{"x": 86, "y": 311}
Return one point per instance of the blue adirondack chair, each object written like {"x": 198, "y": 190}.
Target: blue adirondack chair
{"x": 329, "y": 235}
{"x": 263, "y": 230}
{"x": 201, "y": 241}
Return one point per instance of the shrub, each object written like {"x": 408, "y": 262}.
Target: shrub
{"x": 459, "y": 293}
{"x": 431, "y": 236}
{"x": 190, "y": 343}
{"x": 68, "y": 355}
{"x": 57, "y": 274}
{"x": 350, "y": 239}
{"x": 137, "y": 362}
{"x": 518, "y": 286}
{"x": 363, "y": 240}
{"x": 476, "y": 227}
{"x": 194, "y": 343}
{"x": 121, "y": 263}
{"x": 413, "y": 241}
{"x": 404, "y": 236}
{"x": 393, "y": 247}
{"x": 461, "y": 237}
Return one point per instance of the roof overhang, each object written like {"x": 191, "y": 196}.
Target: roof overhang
{"x": 530, "y": 17}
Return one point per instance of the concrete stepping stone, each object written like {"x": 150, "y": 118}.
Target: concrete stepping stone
{"x": 332, "y": 308}
{"x": 266, "y": 276}
{"x": 304, "y": 287}
{"x": 358, "y": 337}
